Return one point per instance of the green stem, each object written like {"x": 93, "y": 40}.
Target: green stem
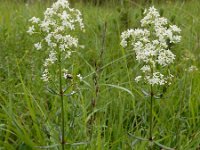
{"x": 151, "y": 116}
{"x": 62, "y": 104}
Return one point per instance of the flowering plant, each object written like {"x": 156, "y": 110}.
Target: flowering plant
{"x": 152, "y": 47}
{"x": 54, "y": 32}
{"x": 57, "y": 36}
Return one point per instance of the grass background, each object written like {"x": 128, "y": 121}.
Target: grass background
{"x": 30, "y": 115}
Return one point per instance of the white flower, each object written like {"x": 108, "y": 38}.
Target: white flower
{"x": 151, "y": 46}
{"x": 51, "y": 59}
{"x": 193, "y": 68}
{"x": 31, "y": 30}
{"x": 49, "y": 12}
{"x": 45, "y": 26}
{"x": 38, "y": 46}
{"x": 156, "y": 79}
{"x": 174, "y": 28}
{"x": 64, "y": 15}
{"x": 146, "y": 68}
{"x": 48, "y": 39}
{"x": 73, "y": 92}
{"x": 175, "y": 39}
{"x": 165, "y": 57}
{"x": 159, "y": 22}
{"x": 125, "y": 35}
{"x": 59, "y": 20}
{"x": 82, "y": 46}
{"x": 45, "y": 75}
{"x": 138, "y": 78}
{"x": 68, "y": 54}
{"x": 80, "y": 77}
{"x": 67, "y": 76}
{"x": 151, "y": 14}
{"x": 34, "y": 20}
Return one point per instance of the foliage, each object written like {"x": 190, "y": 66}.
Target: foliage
{"x": 29, "y": 116}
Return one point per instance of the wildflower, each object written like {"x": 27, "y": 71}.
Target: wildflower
{"x": 59, "y": 20}
{"x": 68, "y": 54}
{"x": 57, "y": 38}
{"x": 174, "y": 28}
{"x": 193, "y": 68}
{"x": 73, "y": 92}
{"x": 138, "y": 78}
{"x": 45, "y": 75}
{"x": 31, "y": 30}
{"x": 51, "y": 59}
{"x": 146, "y": 68}
{"x": 151, "y": 46}
{"x": 34, "y": 20}
{"x": 165, "y": 57}
{"x": 67, "y": 76}
{"x": 80, "y": 77}
{"x": 156, "y": 79}
{"x": 38, "y": 46}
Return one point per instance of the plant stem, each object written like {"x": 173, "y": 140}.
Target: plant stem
{"x": 151, "y": 115}
{"x": 62, "y": 104}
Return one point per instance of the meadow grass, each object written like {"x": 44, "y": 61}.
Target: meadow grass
{"x": 30, "y": 115}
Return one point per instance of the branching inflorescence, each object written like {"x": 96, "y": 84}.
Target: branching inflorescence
{"x": 151, "y": 45}
{"x": 55, "y": 33}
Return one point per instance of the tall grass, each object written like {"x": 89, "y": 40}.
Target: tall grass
{"x": 29, "y": 118}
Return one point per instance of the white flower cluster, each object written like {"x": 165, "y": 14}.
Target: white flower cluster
{"x": 151, "y": 45}
{"x": 192, "y": 68}
{"x": 59, "y": 22}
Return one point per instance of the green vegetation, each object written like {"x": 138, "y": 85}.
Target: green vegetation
{"x": 111, "y": 111}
